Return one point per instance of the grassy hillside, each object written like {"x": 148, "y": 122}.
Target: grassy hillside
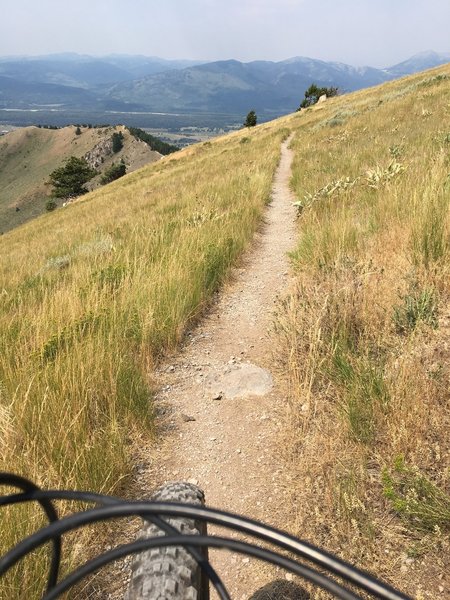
{"x": 93, "y": 295}
{"x": 29, "y": 155}
{"x": 365, "y": 334}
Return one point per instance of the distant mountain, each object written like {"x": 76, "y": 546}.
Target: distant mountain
{"x": 23, "y": 94}
{"x": 86, "y": 72}
{"x": 419, "y": 62}
{"x": 81, "y": 73}
{"x": 232, "y": 86}
{"x": 268, "y": 87}
{"x": 139, "y": 83}
{"x": 224, "y": 86}
{"x": 142, "y": 66}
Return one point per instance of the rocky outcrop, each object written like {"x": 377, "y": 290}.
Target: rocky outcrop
{"x": 96, "y": 156}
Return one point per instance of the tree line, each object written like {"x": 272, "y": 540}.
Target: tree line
{"x": 155, "y": 143}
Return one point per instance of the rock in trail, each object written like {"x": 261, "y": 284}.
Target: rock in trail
{"x": 220, "y": 401}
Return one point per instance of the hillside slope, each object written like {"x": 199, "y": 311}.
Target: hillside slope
{"x": 29, "y": 155}
{"x": 365, "y": 336}
{"x": 94, "y": 294}
{"x": 97, "y": 296}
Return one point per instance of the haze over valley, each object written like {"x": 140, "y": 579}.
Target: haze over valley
{"x": 172, "y": 95}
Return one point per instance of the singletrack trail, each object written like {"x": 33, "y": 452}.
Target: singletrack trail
{"x": 219, "y": 404}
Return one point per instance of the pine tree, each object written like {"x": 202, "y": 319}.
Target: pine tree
{"x": 251, "y": 119}
{"x": 313, "y": 93}
{"x": 113, "y": 173}
{"x": 117, "y": 141}
{"x": 68, "y": 181}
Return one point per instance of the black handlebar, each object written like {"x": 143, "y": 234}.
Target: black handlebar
{"x": 109, "y": 507}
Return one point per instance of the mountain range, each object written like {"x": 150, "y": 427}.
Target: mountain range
{"x": 139, "y": 83}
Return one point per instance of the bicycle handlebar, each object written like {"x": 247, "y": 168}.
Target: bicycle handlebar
{"x": 109, "y": 507}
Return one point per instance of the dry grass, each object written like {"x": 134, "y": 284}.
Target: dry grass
{"x": 29, "y": 155}
{"x": 94, "y": 294}
{"x": 365, "y": 335}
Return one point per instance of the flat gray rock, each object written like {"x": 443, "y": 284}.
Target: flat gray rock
{"x": 241, "y": 380}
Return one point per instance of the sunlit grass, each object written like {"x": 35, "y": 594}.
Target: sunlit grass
{"x": 94, "y": 294}
{"x": 364, "y": 337}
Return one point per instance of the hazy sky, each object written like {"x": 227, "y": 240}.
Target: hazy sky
{"x": 373, "y": 32}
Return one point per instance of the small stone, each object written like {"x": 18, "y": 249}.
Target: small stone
{"x": 171, "y": 369}
{"x": 441, "y": 589}
{"x": 239, "y": 451}
{"x": 245, "y": 561}
{"x": 193, "y": 481}
{"x": 187, "y": 418}
{"x": 289, "y": 577}
{"x": 212, "y": 439}
{"x": 218, "y": 396}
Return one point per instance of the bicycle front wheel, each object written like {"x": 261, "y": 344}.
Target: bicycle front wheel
{"x": 171, "y": 573}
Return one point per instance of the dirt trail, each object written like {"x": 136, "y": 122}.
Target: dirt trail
{"x": 220, "y": 404}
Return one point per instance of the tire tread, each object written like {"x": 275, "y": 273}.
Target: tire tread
{"x": 169, "y": 573}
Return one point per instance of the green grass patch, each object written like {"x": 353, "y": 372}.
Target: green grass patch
{"x": 363, "y": 390}
{"x": 416, "y": 499}
{"x": 430, "y": 240}
{"x": 418, "y": 306}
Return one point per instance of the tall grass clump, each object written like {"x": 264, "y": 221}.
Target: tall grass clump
{"x": 364, "y": 334}
{"x": 418, "y": 306}
{"x": 94, "y": 294}
{"x": 430, "y": 239}
{"x": 417, "y": 500}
